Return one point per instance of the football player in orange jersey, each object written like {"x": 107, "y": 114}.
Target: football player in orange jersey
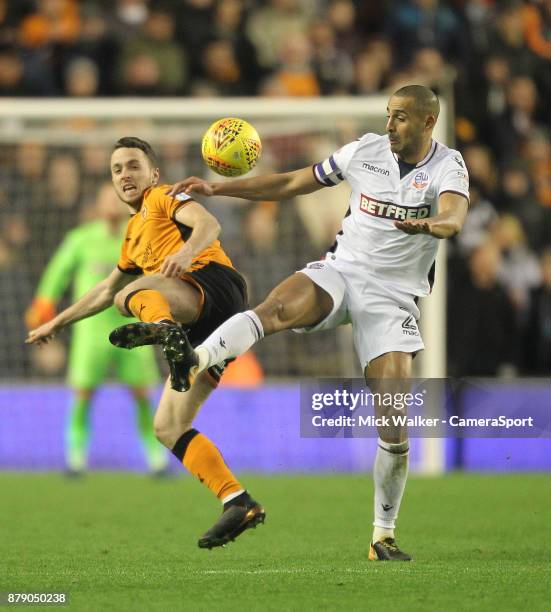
{"x": 172, "y": 272}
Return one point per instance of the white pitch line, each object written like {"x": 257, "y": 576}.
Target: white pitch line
{"x": 297, "y": 570}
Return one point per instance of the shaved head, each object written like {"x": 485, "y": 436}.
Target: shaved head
{"x": 412, "y": 112}
{"x": 425, "y": 101}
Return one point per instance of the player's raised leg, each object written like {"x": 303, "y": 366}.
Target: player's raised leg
{"x": 160, "y": 303}
{"x": 294, "y": 303}
{"x": 173, "y": 428}
{"x": 389, "y": 373}
{"x": 157, "y": 298}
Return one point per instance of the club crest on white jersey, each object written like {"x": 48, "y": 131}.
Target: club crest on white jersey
{"x": 382, "y": 194}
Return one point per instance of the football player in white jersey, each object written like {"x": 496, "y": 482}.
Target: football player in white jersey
{"x": 408, "y": 191}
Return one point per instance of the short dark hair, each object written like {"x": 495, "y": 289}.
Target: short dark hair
{"x": 426, "y": 101}
{"x": 133, "y": 142}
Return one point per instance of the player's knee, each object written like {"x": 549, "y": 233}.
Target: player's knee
{"x": 168, "y": 436}
{"x": 162, "y": 436}
{"x": 273, "y": 314}
{"x": 168, "y": 430}
{"x": 120, "y": 302}
{"x": 164, "y": 432}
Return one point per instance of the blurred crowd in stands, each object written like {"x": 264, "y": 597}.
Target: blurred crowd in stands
{"x": 494, "y": 56}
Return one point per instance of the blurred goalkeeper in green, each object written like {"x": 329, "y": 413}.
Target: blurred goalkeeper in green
{"x": 85, "y": 257}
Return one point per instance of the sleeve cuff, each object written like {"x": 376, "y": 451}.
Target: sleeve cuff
{"x": 132, "y": 271}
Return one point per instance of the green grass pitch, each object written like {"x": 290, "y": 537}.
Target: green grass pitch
{"x": 124, "y": 542}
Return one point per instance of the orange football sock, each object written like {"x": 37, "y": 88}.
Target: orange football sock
{"x": 149, "y": 306}
{"x": 201, "y": 457}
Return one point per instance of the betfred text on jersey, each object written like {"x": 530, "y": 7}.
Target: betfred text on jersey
{"x": 388, "y": 210}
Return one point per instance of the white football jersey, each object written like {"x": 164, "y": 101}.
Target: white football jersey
{"x": 385, "y": 190}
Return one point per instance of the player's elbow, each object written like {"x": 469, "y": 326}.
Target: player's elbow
{"x": 212, "y": 227}
{"x": 455, "y": 228}
{"x": 448, "y": 227}
{"x": 206, "y": 225}
{"x": 216, "y": 227}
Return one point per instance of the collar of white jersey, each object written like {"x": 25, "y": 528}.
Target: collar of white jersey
{"x": 425, "y": 159}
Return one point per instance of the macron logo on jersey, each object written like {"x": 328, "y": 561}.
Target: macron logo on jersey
{"x": 375, "y": 169}
{"x": 388, "y": 210}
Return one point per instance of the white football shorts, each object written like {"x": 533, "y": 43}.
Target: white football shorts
{"x": 383, "y": 319}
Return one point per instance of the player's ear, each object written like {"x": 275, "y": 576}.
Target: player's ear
{"x": 155, "y": 176}
{"x": 430, "y": 122}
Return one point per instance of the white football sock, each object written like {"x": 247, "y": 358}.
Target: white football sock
{"x": 389, "y": 473}
{"x": 234, "y": 337}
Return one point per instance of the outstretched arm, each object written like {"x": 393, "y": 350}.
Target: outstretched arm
{"x": 98, "y": 298}
{"x": 446, "y": 224}
{"x": 270, "y": 187}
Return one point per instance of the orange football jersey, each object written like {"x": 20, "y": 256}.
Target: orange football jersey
{"x": 153, "y": 233}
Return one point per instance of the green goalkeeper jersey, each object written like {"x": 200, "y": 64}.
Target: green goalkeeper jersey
{"x": 85, "y": 257}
